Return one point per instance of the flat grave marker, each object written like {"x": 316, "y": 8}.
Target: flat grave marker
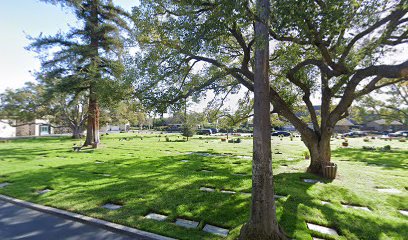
{"x": 356, "y": 207}
{"x": 311, "y": 180}
{"x": 324, "y": 202}
{"x": 155, "y": 216}
{"x": 207, "y": 189}
{"x": 404, "y": 212}
{"x": 228, "y": 191}
{"x": 389, "y": 190}
{"x": 112, "y": 206}
{"x": 321, "y": 229}
{"x": 186, "y": 223}
{"x": 44, "y": 191}
{"x": 4, "y": 184}
{"x": 216, "y": 230}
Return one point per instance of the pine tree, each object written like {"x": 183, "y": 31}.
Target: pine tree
{"x": 87, "y": 58}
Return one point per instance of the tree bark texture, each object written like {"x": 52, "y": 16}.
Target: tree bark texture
{"x": 92, "y": 137}
{"x": 320, "y": 152}
{"x": 76, "y": 132}
{"x": 92, "y": 132}
{"x": 263, "y": 223}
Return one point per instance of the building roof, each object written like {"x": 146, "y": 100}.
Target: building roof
{"x": 383, "y": 122}
{"x": 396, "y": 123}
{"x": 344, "y": 122}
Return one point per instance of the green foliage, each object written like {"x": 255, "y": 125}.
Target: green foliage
{"x": 24, "y": 104}
{"x": 319, "y": 47}
{"x": 188, "y": 129}
{"x": 88, "y": 57}
{"x": 34, "y": 102}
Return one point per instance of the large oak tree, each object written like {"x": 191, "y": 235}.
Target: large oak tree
{"x": 334, "y": 49}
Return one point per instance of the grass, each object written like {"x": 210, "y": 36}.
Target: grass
{"x": 147, "y": 175}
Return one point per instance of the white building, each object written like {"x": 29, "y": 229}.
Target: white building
{"x": 6, "y": 130}
{"x": 13, "y": 128}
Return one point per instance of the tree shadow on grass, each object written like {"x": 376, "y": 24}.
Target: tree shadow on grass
{"x": 385, "y": 159}
{"x": 163, "y": 186}
{"x": 302, "y": 207}
{"x": 168, "y": 186}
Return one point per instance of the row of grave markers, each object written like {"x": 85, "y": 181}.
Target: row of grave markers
{"x": 224, "y": 232}
{"x": 190, "y": 224}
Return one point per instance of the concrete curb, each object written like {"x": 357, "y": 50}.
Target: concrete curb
{"x": 113, "y": 227}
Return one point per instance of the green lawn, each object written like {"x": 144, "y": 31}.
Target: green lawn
{"x": 147, "y": 175}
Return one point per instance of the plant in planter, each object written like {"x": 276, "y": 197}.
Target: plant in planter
{"x": 306, "y": 154}
{"x": 223, "y": 139}
{"x": 366, "y": 139}
{"x": 345, "y": 143}
{"x": 402, "y": 140}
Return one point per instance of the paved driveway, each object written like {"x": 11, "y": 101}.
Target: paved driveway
{"x": 22, "y": 223}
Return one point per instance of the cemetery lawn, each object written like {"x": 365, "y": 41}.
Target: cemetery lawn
{"x": 146, "y": 175}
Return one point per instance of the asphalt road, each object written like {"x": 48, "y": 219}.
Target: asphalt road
{"x": 22, "y": 223}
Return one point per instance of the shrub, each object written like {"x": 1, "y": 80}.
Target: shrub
{"x": 187, "y": 130}
{"x": 386, "y": 148}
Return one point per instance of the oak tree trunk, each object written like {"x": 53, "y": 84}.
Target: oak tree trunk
{"x": 76, "y": 132}
{"x": 320, "y": 152}
{"x": 263, "y": 223}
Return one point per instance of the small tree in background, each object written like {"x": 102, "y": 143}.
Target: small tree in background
{"x": 188, "y": 129}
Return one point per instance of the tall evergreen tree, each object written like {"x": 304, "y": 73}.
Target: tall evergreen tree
{"x": 87, "y": 58}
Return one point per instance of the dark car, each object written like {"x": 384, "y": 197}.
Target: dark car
{"x": 355, "y": 134}
{"x": 281, "y": 133}
{"x": 204, "y": 132}
{"x": 214, "y": 130}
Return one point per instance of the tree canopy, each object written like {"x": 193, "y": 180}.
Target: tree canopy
{"x": 334, "y": 49}
{"x": 88, "y": 58}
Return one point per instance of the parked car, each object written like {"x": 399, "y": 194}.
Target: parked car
{"x": 281, "y": 133}
{"x": 204, "y": 132}
{"x": 214, "y": 130}
{"x": 399, "y": 134}
{"x": 355, "y": 134}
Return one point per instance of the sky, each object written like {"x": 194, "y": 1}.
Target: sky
{"x": 22, "y": 18}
